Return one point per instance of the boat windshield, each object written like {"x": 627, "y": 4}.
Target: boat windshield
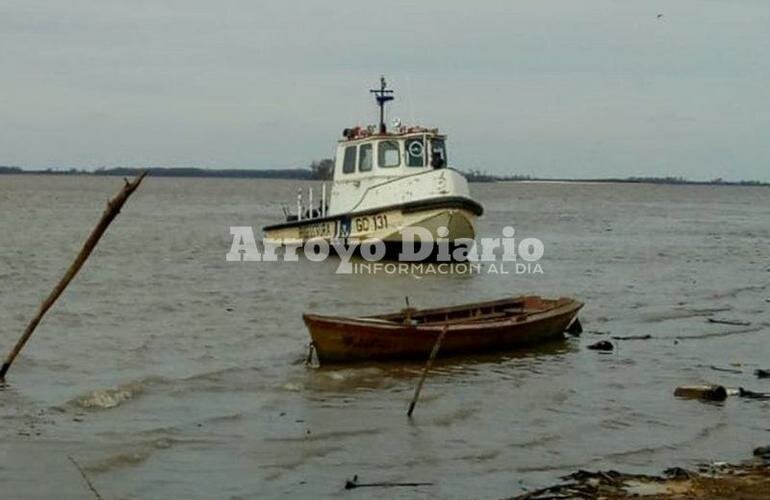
{"x": 438, "y": 153}
{"x": 364, "y": 157}
{"x": 388, "y": 154}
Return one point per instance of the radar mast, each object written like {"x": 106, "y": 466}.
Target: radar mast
{"x": 382, "y": 95}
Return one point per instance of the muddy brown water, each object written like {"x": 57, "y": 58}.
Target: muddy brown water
{"x": 167, "y": 372}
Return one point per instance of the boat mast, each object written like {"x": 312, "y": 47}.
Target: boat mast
{"x": 382, "y": 95}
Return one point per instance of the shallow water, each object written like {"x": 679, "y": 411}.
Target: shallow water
{"x": 167, "y": 372}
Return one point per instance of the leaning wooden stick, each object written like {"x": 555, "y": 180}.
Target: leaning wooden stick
{"x": 432, "y": 356}
{"x": 113, "y": 209}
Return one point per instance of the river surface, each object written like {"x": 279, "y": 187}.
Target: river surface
{"x": 167, "y": 372}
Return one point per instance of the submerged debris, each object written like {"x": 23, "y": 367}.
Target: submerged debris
{"x": 677, "y": 473}
{"x": 744, "y": 393}
{"x": 762, "y": 452}
{"x": 602, "y": 345}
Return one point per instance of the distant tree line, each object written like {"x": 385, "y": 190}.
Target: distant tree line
{"x": 275, "y": 173}
{"x": 324, "y": 170}
{"x": 479, "y": 176}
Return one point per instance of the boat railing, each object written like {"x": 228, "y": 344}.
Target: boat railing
{"x": 309, "y": 212}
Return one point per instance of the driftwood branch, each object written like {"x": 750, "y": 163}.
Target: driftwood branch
{"x": 113, "y": 209}
{"x": 633, "y": 337}
{"x": 351, "y": 484}
{"x": 728, "y": 370}
{"x": 728, "y": 322}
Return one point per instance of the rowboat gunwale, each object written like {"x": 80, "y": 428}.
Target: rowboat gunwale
{"x": 378, "y": 320}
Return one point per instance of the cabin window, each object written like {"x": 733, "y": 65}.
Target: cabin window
{"x": 388, "y": 154}
{"x": 364, "y": 157}
{"x": 415, "y": 152}
{"x": 437, "y": 153}
{"x": 349, "y": 161}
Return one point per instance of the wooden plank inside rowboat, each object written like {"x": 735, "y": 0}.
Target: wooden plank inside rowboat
{"x": 471, "y": 328}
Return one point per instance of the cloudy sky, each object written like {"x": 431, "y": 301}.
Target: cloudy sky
{"x": 590, "y": 88}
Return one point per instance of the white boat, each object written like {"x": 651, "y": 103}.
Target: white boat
{"x": 384, "y": 181}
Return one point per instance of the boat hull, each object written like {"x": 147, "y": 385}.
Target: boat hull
{"x": 338, "y": 340}
{"x": 388, "y": 224}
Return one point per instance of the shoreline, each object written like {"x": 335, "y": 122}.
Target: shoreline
{"x": 747, "y": 480}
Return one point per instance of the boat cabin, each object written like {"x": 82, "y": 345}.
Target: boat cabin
{"x": 386, "y": 170}
{"x": 364, "y": 154}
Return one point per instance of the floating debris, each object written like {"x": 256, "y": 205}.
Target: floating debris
{"x": 761, "y": 373}
{"x": 713, "y": 392}
{"x": 704, "y": 392}
{"x": 101, "y": 399}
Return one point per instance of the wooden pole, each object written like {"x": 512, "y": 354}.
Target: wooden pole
{"x": 432, "y": 356}
{"x": 85, "y": 477}
{"x": 113, "y": 209}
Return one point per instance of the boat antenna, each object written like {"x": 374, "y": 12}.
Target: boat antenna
{"x": 382, "y": 95}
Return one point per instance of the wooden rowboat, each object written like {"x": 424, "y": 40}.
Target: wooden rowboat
{"x": 471, "y": 328}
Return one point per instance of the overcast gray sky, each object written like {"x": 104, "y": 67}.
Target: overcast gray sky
{"x": 568, "y": 88}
